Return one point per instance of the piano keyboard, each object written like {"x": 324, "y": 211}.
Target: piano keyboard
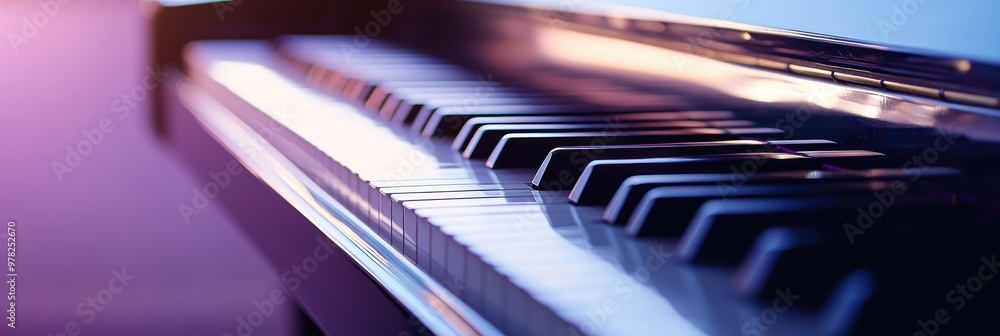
{"x": 550, "y": 215}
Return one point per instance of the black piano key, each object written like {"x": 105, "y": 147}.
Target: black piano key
{"x": 409, "y": 111}
{"x": 851, "y": 159}
{"x": 787, "y": 257}
{"x": 358, "y": 87}
{"x": 397, "y": 91}
{"x": 725, "y": 224}
{"x": 341, "y": 71}
{"x": 530, "y": 149}
{"x": 487, "y": 137}
{"x": 667, "y": 211}
{"x": 472, "y": 125}
{"x": 471, "y": 105}
{"x": 449, "y": 120}
{"x": 410, "y": 103}
{"x": 601, "y": 179}
{"x": 412, "y": 108}
{"x": 390, "y": 107}
{"x": 563, "y": 166}
{"x": 846, "y": 301}
{"x": 633, "y": 189}
{"x": 723, "y": 230}
{"x": 343, "y": 82}
{"x": 382, "y": 91}
{"x": 348, "y": 77}
{"x": 932, "y": 284}
{"x": 371, "y": 91}
{"x": 908, "y": 273}
{"x": 813, "y": 261}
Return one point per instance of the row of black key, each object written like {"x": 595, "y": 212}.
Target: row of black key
{"x": 727, "y": 190}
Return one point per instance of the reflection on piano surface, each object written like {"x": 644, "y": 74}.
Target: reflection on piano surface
{"x": 527, "y": 171}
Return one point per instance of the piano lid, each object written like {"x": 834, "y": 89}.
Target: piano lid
{"x": 949, "y": 28}
{"x": 654, "y": 55}
{"x": 931, "y": 69}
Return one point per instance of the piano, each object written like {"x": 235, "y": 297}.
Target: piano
{"x": 503, "y": 168}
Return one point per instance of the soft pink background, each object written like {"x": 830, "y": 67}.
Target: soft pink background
{"x": 119, "y": 208}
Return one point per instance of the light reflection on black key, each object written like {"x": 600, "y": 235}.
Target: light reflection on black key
{"x": 708, "y": 233}
{"x": 666, "y": 211}
{"x": 605, "y": 176}
{"x": 449, "y": 120}
{"x": 487, "y": 137}
{"x": 530, "y": 149}
{"x": 343, "y": 82}
{"x": 401, "y": 90}
{"x": 563, "y": 165}
{"x": 602, "y": 178}
{"x": 723, "y": 230}
{"x": 472, "y": 105}
{"x": 856, "y": 159}
{"x": 633, "y": 189}
{"x": 472, "y": 125}
{"x": 907, "y": 268}
{"x": 416, "y": 109}
{"x": 794, "y": 257}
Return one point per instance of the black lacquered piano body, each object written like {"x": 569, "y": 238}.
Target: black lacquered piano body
{"x": 765, "y": 238}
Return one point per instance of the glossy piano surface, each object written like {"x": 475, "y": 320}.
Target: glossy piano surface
{"x": 545, "y": 260}
{"x": 944, "y": 28}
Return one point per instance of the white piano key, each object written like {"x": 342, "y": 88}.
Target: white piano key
{"x": 547, "y": 255}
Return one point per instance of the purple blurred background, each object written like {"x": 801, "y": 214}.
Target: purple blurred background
{"x": 118, "y": 207}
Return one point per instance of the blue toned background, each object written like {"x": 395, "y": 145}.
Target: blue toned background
{"x": 960, "y": 28}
